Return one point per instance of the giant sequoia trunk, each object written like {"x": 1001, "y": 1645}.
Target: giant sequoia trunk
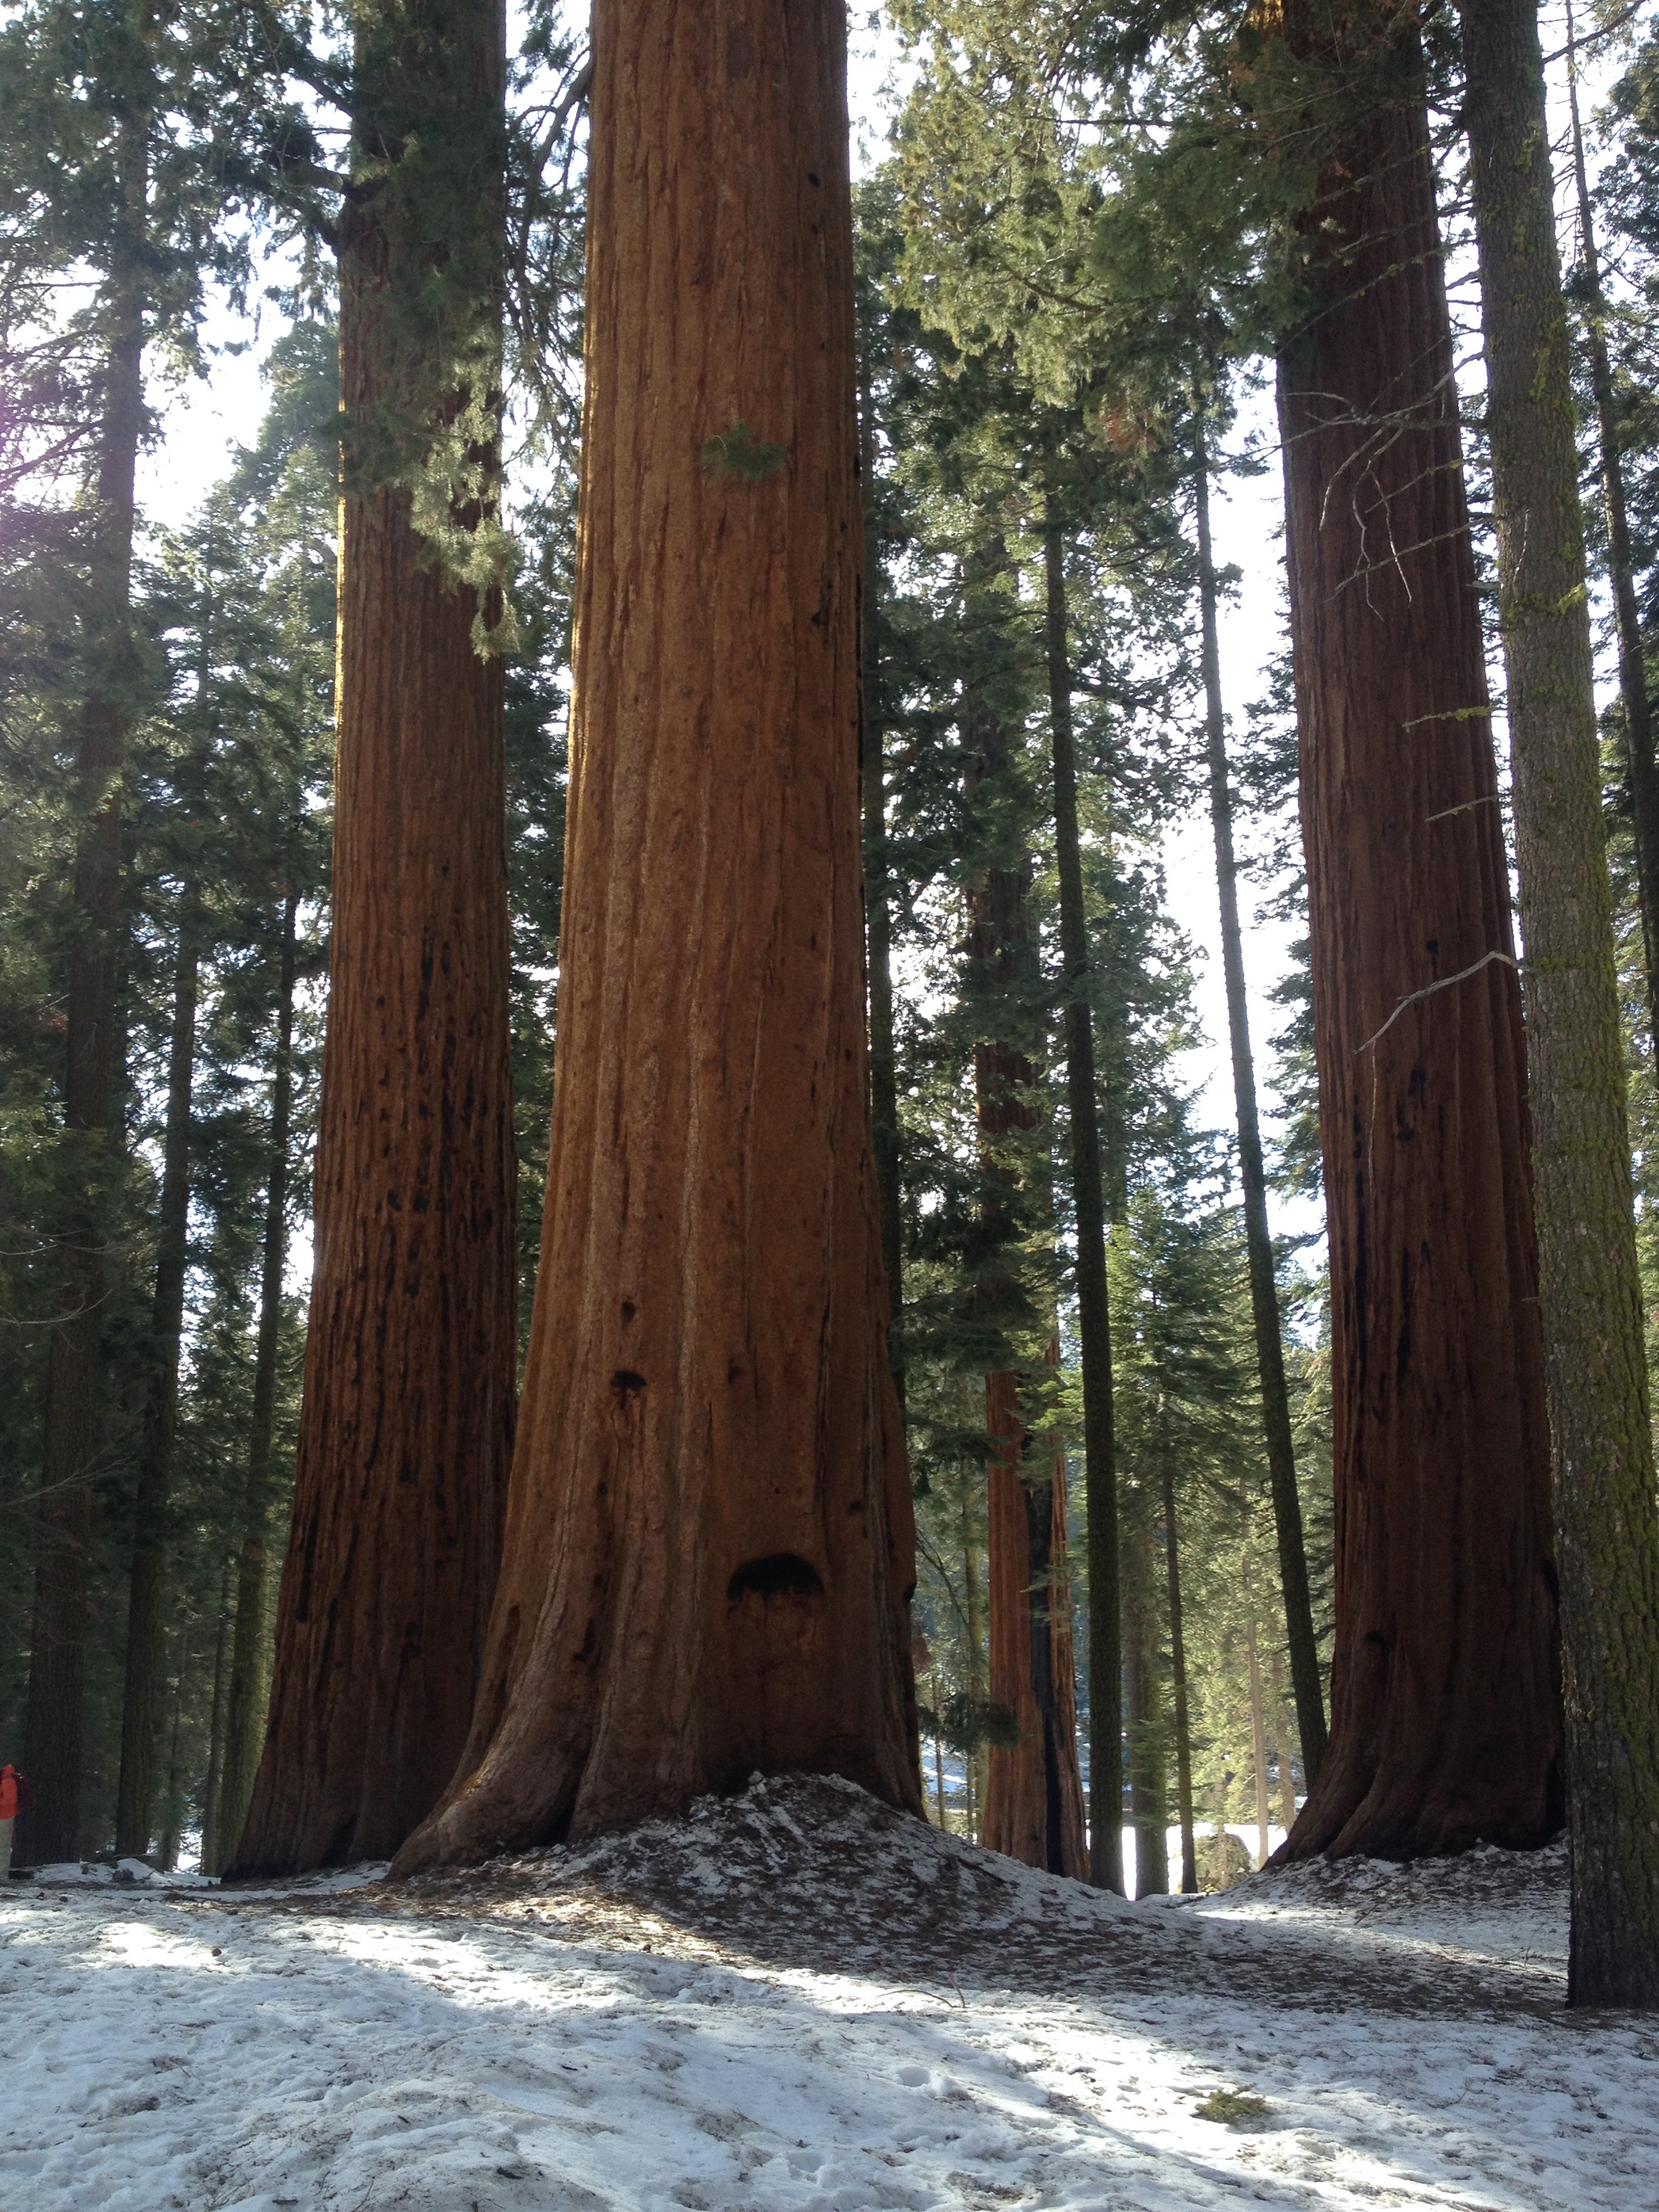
{"x": 708, "y": 1550}
{"x": 1445, "y": 1717}
{"x": 1600, "y": 1437}
{"x": 407, "y": 1415}
{"x": 73, "y": 1425}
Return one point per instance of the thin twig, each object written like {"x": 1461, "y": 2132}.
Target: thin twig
{"x": 1429, "y": 990}
{"x": 1491, "y": 798}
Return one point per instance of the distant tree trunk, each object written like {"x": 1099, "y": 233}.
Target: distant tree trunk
{"x": 211, "y": 1786}
{"x": 170, "y": 1821}
{"x": 1252, "y": 1171}
{"x": 1148, "y": 1788}
{"x": 1183, "y": 1735}
{"x": 407, "y": 1415}
{"x": 73, "y": 1422}
{"x": 1089, "y": 1216}
{"x": 1258, "y": 1722}
{"x": 1607, "y": 1518}
{"x": 1445, "y": 1710}
{"x": 709, "y": 1548}
{"x": 1034, "y": 1788}
{"x": 1034, "y": 1796}
{"x": 245, "y": 1687}
{"x": 1641, "y": 767}
{"x": 877, "y": 894}
{"x": 146, "y": 1605}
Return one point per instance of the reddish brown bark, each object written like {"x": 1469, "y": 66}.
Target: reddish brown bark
{"x": 1445, "y": 1709}
{"x": 710, "y": 1545}
{"x": 406, "y": 1428}
{"x": 1034, "y": 1798}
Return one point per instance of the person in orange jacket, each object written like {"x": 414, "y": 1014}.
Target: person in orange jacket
{"x": 15, "y": 1797}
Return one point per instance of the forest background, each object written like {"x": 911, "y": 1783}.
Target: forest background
{"x": 220, "y": 892}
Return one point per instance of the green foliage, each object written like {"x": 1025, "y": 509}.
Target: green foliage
{"x": 1232, "y": 2108}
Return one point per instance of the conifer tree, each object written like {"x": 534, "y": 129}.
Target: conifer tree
{"x": 1445, "y": 1717}
{"x": 407, "y": 1409}
{"x": 1600, "y": 1436}
{"x": 709, "y": 1544}
{"x": 105, "y": 169}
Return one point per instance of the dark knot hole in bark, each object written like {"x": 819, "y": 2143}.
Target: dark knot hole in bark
{"x": 781, "y": 1574}
{"x": 627, "y": 1384}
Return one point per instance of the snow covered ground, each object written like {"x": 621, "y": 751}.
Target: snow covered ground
{"x": 795, "y": 2000}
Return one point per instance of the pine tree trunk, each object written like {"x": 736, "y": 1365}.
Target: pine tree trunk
{"x": 710, "y": 1547}
{"x": 1034, "y": 1788}
{"x": 1252, "y": 1172}
{"x": 247, "y": 1688}
{"x": 146, "y": 1605}
{"x": 1089, "y": 1217}
{"x": 1148, "y": 1788}
{"x": 878, "y": 894}
{"x": 211, "y": 1787}
{"x": 171, "y": 1816}
{"x": 1641, "y": 767}
{"x": 1445, "y": 1725}
{"x": 1601, "y": 1448}
{"x": 1258, "y": 1722}
{"x": 73, "y": 1424}
{"x": 1183, "y": 1735}
{"x": 407, "y": 1413}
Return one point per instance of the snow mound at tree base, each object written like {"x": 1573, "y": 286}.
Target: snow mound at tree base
{"x": 810, "y": 1870}
{"x": 810, "y": 1873}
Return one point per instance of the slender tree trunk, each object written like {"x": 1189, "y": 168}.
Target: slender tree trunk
{"x": 938, "y": 1757}
{"x": 1282, "y": 1738}
{"x": 1034, "y": 1796}
{"x": 1034, "y": 1791}
{"x": 976, "y": 1667}
{"x": 1641, "y": 767}
{"x": 247, "y": 1688}
{"x": 73, "y": 1424}
{"x": 170, "y": 1821}
{"x": 1149, "y": 1792}
{"x": 407, "y": 1415}
{"x": 1446, "y": 1712}
{"x": 1252, "y": 1176}
{"x": 1088, "y": 1209}
{"x": 1183, "y": 1735}
{"x": 877, "y": 894}
{"x": 710, "y": 1547}
{"x": 211, "y": 1787}
{"x": 1601, "y": 1446}
{"x": 146, "y": 1607}
{"x": 1258, "y": 1724}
